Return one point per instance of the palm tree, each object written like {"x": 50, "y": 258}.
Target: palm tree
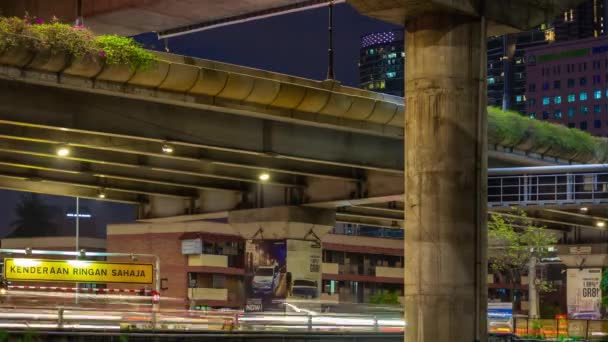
{"x": 34, "y": 218}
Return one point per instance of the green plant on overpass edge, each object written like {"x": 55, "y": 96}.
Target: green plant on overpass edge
{"x": 511, "y": 129}
{"x": 77, "y": 42}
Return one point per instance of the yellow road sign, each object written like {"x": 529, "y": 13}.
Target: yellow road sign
{"x": 77, "y": 271}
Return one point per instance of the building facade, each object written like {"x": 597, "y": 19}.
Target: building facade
{"x": 587, "y": 20}
{"x": 353, "y": 267}
{"x": 506, "y": 85}
{"x": 382, "y": 62}
{"x": 568, "y": 84}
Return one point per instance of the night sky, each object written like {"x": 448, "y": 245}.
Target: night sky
{"x": 294, "y": 44}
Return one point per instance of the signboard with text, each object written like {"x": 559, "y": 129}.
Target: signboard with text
{"x": 192, "y": 246}
{"x": 584, "y": 295}
{"x": 78, "y": 271}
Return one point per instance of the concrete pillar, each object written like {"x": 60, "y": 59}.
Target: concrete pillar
{"x": 445, "y": 179}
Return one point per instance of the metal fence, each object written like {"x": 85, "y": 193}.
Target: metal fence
{"x": 552, "y": 189}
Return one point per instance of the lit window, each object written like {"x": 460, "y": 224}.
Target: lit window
{"x": 518, "y": 98}
{"x": 382, "y": 84}
{"x": 571, "y": 111}
{"x": 546, "y": 100}
{"x": 557, "y": 114}
{"x": 557, "y": 100}
{"x": 584, "y": 109}
{"x": 597, "y": 94}
{"x": 491, "y": 80}
{"x": 391, "y": 74}
{"x": 571, "y": 98}
{"x": 532, "y": 115}
{"x": 583, "y": 96}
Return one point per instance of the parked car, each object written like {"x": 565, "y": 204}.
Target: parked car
{"x": 305, "y": 288}
{"x": 265, "y": 280}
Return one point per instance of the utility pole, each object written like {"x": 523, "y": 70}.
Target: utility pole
{"x": 330, "y": 51}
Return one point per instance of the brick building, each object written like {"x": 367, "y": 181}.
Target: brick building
{"x": 568, "y": 84}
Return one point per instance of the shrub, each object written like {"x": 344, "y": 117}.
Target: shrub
{"x": 512, "y": 129}
{"x": 76, "y": 41}
{"x": 124, "y": 50}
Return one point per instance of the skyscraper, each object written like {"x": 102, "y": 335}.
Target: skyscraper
{"x": 507, "y": 67}
{"x": 382, "y": 62}
{"x": 584, "y": 21}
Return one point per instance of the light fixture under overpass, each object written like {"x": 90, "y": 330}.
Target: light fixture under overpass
{"x": 62, "y": 150}
{"x": 264, "y": 176}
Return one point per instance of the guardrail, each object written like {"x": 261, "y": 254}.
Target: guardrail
{"x": 74, "y": 319}
{"x": 548, "y": 189}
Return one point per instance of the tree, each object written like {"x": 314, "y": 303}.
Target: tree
{"x": 34, "y": 218}
{"x": 385, "y": 297}
{"x": 518, "y": 243}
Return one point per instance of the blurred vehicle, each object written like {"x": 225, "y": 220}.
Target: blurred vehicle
{"x": 500, "y": 326}
{"x": 507, "y": 338}
{"x": 265, "y": 279}
{"x": 586, "y": 315}
{"x": 305, "y": 288}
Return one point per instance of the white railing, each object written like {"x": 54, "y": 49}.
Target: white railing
{"x": 552, "y": 189}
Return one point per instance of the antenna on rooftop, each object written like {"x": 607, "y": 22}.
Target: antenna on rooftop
{"x": 330, "y": 51}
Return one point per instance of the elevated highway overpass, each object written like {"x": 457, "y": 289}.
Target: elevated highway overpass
{"x": 322, "y": 144}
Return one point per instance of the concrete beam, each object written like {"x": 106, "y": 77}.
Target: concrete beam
{"x": 282, "y": 223}
{"x": 59, "y": 108}
{"x": 503, "y": 16}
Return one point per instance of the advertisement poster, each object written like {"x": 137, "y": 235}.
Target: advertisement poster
{"x": 303, "y": 269}
{"x": 584, "y": 296}
{"x": 266, "y": 270}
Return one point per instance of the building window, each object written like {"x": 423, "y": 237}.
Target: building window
{"x": 557, "y": 84}
{"x": 596, "y": 79}
{"x": 584, "y": 125}
{"x": 532, "y": 115}
{"x": 532, "y": 102}
{"x": 597, "y": 124}
{"x": 584, "y": 110}
{"x": 583, "y": 81}
{"x": 597, "y": 94}
{"x": 557, "y": 114}
{"x": 597, "y": 108}
{"x": 571, "y": 98}
{"x": 545, "y": 115}
{"x": 532, "y": 88}
{"x": 519, "y": 98}
{"x": 582, "y": 96}
{"x": 546, "y": 100}
{"x": 491, "y": 80}
{"x": 571, "y": 125}
{"x": 571, "y": 83}
{"x": 571, "y": 111}
{"x": 391, "y": 74}
{"x": 546, "y": 86}
{"x": 557, "y": 100}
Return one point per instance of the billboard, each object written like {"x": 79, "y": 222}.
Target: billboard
{"x": 280, "y": 269}
{"x": 584, "y": 296}
{"x": 77, "y": 271}
{"x": 303, "y": 269}
{"x": 266, "y": 268}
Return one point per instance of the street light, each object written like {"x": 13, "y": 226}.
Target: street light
{"x": 584, "y": 209}
{"x": 264, "y": 176}
{"x": 101, "y": 194}
{"x": 63, "y": 151}
{"x": 600, "y": 224}
{"x": 166, "y": 148}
